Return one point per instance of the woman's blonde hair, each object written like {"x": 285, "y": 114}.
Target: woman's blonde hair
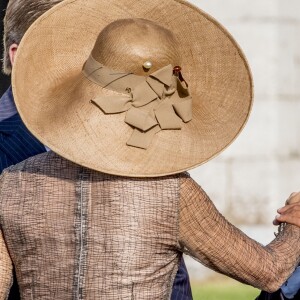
{"x": 20, "y": 14}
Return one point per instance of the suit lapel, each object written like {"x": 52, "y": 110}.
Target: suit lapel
{"x": 16, "y": 142}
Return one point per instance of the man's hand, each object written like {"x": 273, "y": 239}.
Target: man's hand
{"x": 290, "y": 213}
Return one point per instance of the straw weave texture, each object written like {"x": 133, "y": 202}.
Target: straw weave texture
{"x": 58, "y": 109}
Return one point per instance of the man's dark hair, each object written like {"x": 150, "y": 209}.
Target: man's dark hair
{"x": 20, "y": 14}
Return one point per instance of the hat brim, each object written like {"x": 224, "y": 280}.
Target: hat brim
{"x": 53, "y": 97}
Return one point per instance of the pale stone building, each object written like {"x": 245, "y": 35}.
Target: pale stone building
{"x": 254, "y": 176}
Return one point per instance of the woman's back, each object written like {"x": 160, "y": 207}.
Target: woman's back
{"x": 74, "y": 233}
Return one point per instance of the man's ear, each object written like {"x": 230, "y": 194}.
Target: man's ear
{"x": 12, "y": 52}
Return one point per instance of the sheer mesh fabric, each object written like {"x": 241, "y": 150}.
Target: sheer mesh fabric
{"x": 207, "y": 236}
{"x": 5, "y": 269}
{"x": 74, "y": 233}
{"x": 5, "y": 264}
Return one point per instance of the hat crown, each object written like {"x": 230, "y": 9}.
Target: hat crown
{"x": 127, "y": 44}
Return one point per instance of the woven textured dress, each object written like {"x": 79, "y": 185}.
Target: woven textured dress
{"x": 74, "y": 233}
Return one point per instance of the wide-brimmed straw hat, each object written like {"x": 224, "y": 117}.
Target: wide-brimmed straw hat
{"x": 162, "y": 89}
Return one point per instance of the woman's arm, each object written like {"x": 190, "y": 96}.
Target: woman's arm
{"x": 5, "y": 261}
{"x": 206, "y": 235}
{"x": 5, "y": 270}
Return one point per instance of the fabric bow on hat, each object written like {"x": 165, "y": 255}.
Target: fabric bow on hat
{"x": 159, "y": 102}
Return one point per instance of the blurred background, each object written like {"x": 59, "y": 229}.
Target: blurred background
{"x": 256, "y": 174}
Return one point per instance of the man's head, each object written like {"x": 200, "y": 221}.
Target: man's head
{"x": 20, "y": 14}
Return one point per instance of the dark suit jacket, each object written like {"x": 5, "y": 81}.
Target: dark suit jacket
{"x": 275, "y": 296}
{"x": 16, "y": 142}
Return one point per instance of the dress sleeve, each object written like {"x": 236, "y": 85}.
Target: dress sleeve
{"x": 5, "y": 270}
{"x": 5, "y": 263}
{"x": 207, "y": 236}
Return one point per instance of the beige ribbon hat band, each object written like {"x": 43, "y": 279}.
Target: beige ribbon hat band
{"x": 159, "y": 100}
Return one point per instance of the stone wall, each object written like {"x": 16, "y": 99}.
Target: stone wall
{"x": 254, "y": 176}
